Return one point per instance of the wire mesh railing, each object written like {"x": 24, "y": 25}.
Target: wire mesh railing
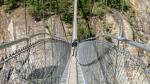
{"x": 41, "y": 62}
{"x": 104, "y": 63}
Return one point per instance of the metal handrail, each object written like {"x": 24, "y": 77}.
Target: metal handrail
{"x": 26, "y": 38}
{"x": 133, "y": 43}
{"x": 18, "y": 51}
{"x": 13, "y": 55}
{"x": 123, "y": 39}
{"x": 2, "y": 46}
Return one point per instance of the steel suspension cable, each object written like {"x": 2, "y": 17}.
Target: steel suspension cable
{"x": 25, "y": 12}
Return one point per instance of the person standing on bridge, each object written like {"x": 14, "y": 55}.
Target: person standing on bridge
{"x": 74, "y": 45}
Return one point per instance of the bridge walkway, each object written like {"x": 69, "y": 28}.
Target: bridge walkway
{"x": 73, "y": 73}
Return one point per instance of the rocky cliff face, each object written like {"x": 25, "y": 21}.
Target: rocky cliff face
{"x": 58, "y": 28}
{"x": 14, "y": 26}
{"x": 135, "y": 25}
{"x": 141, "y": 26}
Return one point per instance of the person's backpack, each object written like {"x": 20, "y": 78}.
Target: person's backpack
{"x": 74, "y": 43}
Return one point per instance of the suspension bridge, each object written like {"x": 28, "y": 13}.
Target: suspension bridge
{"x": 53, "y": 60}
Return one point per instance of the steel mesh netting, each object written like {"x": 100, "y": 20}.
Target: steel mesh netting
{"x": 42, "y": 62}
{"x": 104, "y": 63}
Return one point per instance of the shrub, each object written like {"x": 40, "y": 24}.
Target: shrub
{"x": 118, "y": 4}
{"x": 108, "y": 38}
{"x": 11, "y": 5}
{"x": 1, "y": 2}
{"x": 83, "y": 31}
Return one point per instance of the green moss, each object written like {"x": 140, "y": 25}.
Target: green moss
{"x": 108, "y": 38}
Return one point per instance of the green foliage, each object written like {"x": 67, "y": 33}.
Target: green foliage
{"x": 82, "y": 34}
{"x": 108, "y": 38}
{"x": 11, "y": 5}
{"x": 67, "y": 17}
{"x": 39, "y": 9}
{"x": 1, "y": 2}
{"x": 83, "y": 31}
{"x": 42, "y": 9}
{"x": 118, "y": 4}
{"x": 45, "y": 8}
{"x": 100, "y": 9}
{"x": 86, "y": 5}
{"x": 65, "y": 9}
